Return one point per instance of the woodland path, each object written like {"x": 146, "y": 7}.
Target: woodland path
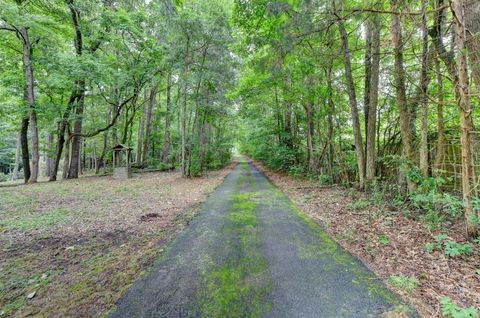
{"x": 251, "y": 253}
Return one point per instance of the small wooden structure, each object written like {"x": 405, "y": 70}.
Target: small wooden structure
{"x": 122, "y": 162}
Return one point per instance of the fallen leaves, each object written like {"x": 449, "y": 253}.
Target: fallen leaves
{"x": 83, "y": 259}
{"x": 390, "y": 244}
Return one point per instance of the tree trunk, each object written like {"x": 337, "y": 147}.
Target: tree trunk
{"x": 424, "y": 82}
{"x": 440, "y": 151}
{"x": 76, "y": 142}
{"x": 16, "y": 167}
{"x": 202, "y": 144}
{"x": 310, "y": 132}
{"x": 30, "y": 100}
{"x": 287, "y": 118}
{"x": 472, "y": 40}
{"x": 66, "y": 159}
{"x": 331, "y": 140}
{"x": 465, "y": 105}
{"x": 141, "y": 128}
{"x": 357, "y": 133}
{"x": 183, "y": 113}
{"x": 166, "y": 138}
{"x": 61, "y": 134}
{"x": 371, "y": 114}
{"x": 49, "y": 163}
{"x": 399, "y": 74}
{"x": 94, "y": 159}
{"x": 80, "y": 100}
{"x": 148, "y": 126}
{"x": 24, "y": 144}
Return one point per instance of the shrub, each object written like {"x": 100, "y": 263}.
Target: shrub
{"x": 4, "y": 177}
{"x": 453, "y": 249}
{"x": 449, "y": 247}
{"x": 324, "y": 179}
{"x": 296, "y": 171}
{"x": 436, "y": 205}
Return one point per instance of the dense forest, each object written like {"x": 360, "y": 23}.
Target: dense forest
{"x": 80, "y": 77}
{"x": 347, "y": 92}
{"x": 373, "y": 97}
{"x": 375, "y": 92}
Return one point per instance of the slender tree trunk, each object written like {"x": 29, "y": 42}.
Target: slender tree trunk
{"x": 61, "y": 135}
{"x": 94, "y": 162}
{"x": 66, "y": 159}
{"x": 166, "y": 138}
{"x": 202, "y": 144}
{"x": 16, "y": 167}
{"x": 30, "y": 99}
{"x": 101, "y": 160}
{"x": 278, "y": 113}
{"x": 148, "y": 126}
{"x": 183, "y": 114}
{"x": 371, "y": 114}
{"x": 424, "y": 82}
{"x": 49, "y": 163}
{"x": 440, "y": 151}
{"x": 399, "y": 74}
{"x": 141, "y": 128}
{"x": 465, "y": 105}
{"x": 288, "y": 113}
{"x": 330, "y": 113}
{"x": 353, "y": 105}
{"x": 310, "y": 132}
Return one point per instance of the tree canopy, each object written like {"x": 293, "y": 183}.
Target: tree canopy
{"x": 357, "y": 93}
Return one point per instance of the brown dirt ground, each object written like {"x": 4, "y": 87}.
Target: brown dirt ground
{"x": 79, "y": 244}
{"x": 359, "y": 231}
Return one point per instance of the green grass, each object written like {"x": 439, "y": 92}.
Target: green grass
{"x": 405, "y": 283}
{"x": 40, "y": 222}
{"x": 360, "y": 204}
{"x": 36, "y": 221}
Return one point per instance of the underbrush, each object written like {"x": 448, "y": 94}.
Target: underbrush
{"x": 416, "y": 242}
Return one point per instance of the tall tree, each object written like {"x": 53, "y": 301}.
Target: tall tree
{"x": 401, "y": 95}
{"x": 464, "y": 103}
{"x": 357, "y": 132}
{"x": 372, "y": 82}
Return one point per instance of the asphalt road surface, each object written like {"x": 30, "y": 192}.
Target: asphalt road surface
{"x": 251, "y": 253}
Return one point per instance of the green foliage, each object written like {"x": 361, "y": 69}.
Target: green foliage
{"x": 296, "y": 171}
{"x": 453, "y": 249}
{"x": 378, "y": 195}
{"x": 437, "y": 244}
{"x": 360, "y": 204}
{"x": 449, "y": 247}
{"x": 433, "y": 219}
{"x": 384, "y": 239}
{"x": 450, "y": 310}
{"x": 436, "y": 205}
{"x": 406, "y": 283}
{"x": 324, "y": 179}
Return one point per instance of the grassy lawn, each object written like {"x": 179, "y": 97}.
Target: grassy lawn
{"x": 72, "y": 248}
